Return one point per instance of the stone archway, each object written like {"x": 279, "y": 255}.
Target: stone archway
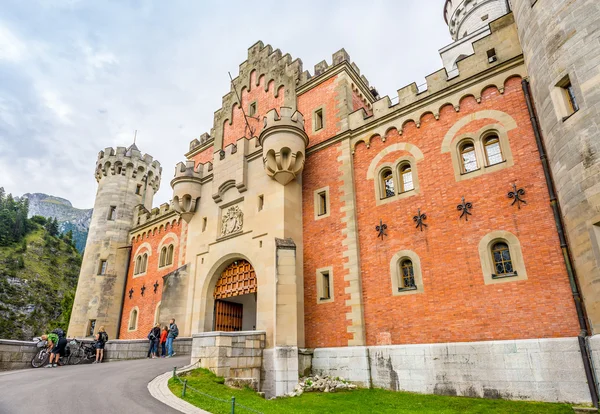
{"x": 235, "y": 298}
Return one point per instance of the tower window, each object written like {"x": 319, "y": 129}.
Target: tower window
{"x": 204, "y": 221}
{"x": 570, "y": 95}
{"x": 503, "y": 265}
{"x": 112, "y": 212}
{"x": 325, "y": 285}
{"x": 564, "y": 98}
{"x": 319, "y": 119}
{"x": 406, "y": 178}
{"x": 102, "y": 267}
{"x": 491, "y": 55}
{"x": 138, "y": 189}
{"x": 91, "y": 327}
{"x": 322, "y": 203}
{"x": 252, "y": 109}
{"x": 468, "y": 157}
{"x": 261, "y": 202}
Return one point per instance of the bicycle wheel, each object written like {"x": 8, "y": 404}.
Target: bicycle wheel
{"x": 76, "y": 356}
{"x": 40, "y": 358}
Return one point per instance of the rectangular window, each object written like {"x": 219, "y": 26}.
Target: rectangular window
{"x": 252, "y": 109}
{"x": 91, "y": 327}
{"x": 325, "y": 285}
{"x": 491, "y": 55}
{"x": 318, "y": 119}
{"x": 261, "y": 202}
{"x": 322, "y": 203}
{"x": 112, "y": 212}
{"x": 204, "y": 221}
{"x": 102, "y": 267}
{"x": 571, "y": 100}
{"x": 138, "y": 189}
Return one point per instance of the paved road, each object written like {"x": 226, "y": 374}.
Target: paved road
{"x": 115, "y": 388}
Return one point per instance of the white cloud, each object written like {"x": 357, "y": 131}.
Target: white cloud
{"x": 11, "y": 47}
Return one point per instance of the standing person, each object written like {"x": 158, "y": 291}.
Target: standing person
{"x": 163, "y": 341}
{"x": 173, "y": 333}
{"x": 101, "y": 340}
{"x": 154, "y": 336}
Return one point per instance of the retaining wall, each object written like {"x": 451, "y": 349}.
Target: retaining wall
{"x": 534, "y": 369}
{"x": 18, "y": 354}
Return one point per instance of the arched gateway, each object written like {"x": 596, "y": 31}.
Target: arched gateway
{"x": 235, "y": 298}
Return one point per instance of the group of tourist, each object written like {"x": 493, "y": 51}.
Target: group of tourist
{"x": 164, "y": 338}
{"x": 57, "y": 343}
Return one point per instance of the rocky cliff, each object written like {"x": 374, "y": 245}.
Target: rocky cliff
{"x": 69, "y": 218}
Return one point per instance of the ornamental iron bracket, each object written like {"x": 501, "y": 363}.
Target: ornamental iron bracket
{"x": 420, "y": 220}
{"x": 156, "y": 285}
{"x": 516, "y": 195}
{"x": 143, "y": 289}
{"x": 130, "y": 293}
{"x": 381, "y": 229}
{"x": 464, "y": 208}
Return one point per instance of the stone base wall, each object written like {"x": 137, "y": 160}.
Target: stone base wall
{"x": 594, "y": 349}
{"x": 534, "y": 369}
{"x": 236, "y": 356}
{"x": 18, "y": 354}
{"x": 280, "y": 371}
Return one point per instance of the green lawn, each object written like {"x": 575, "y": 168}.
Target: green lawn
{"x": 357, "y": 401}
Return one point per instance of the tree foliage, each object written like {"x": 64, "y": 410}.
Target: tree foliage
{"x": 14, "y": 224}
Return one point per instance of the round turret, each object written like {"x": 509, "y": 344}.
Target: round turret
{"x": 186, "y": 189}
{"x": 467, "y": 16}
{"x": 284, "y": 144}
{"x": 126, "y": 179}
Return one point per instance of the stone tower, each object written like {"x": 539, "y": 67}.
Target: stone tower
{"x": 468, "y": 21}
{"x": 560, "y": 46}
{"x": 126, "y": 178}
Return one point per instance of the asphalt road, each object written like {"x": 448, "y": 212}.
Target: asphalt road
{"x": 115, "y": 388}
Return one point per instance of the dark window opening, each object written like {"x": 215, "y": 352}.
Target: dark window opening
{"x": 318, "y": 119}
{"x": 408, "y": 275}
{"x": 112, "y": 213}
{"x": 322, "y": 203}
{"x": 102, "y": 267}
{"x": 326, "y": 286}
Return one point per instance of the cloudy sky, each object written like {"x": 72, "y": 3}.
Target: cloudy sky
{"x": 79, "y": 76}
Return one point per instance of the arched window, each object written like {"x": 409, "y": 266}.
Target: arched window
{"x": 170, "y": 254}
{"x": 163, "y": 257}
{"x": 467, "y": 157}
{"x": 387, "y": 183}
{"x": 133, "y": 319}
{"x": 407, "y": 275}
{"x": 144, "y": 263}
{"x": 503, "y": 265}
{"x": 138, "y": 265}
{"x": 493, "y": 152}
{"x": 406, "y": 178}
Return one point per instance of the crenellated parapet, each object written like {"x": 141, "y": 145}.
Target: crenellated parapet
{"x": 415, "y": 102}
{"x": 284, "y": 143}
{"x": 187, "y": 188}
{"x": 142, "y": 217}
{"x": 129, "y": 162}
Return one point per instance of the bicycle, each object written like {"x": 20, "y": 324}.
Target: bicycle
{"x": 41, "y": 357}
{"x": 83, "y": 352}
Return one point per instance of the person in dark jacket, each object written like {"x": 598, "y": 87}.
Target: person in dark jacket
{"x": 173, "y": 333}
{"x": 154, "y": 336}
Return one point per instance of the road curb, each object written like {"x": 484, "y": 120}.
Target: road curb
{"x": 159, "y": 389}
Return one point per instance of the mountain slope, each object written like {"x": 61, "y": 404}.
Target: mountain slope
{"x": 38, "y": 278}
{"x": 69, "y": 218}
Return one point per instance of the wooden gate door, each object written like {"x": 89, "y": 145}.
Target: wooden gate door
{"x": 228, "y": 316}
{"x": 237, "y": 279}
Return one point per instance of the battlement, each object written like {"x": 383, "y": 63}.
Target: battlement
{"x": 502, "y": 40}
{"x": 323, "y": 67}
{"x": 287, "y": 117}
{"x": 129, "y": 162}
{"x": 143, "y": 217}
{"x": 204, "y": 139}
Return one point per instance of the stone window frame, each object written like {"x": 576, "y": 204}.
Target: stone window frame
{"x": 169, "y": 253}
{"x": 396, "y": 274}
{"x": 395, "y": 167}
{"x": 314, "y": 119}
{"x": 112, "y": 213}
{"x": 563, "y": 107}
{"x": 102, "y": 270}
{"x": 477, "y": 138}
{"x": 169, "y": 239}
{"x": 320, "y": 286}
{"x": 255, "y": 103}
{"x": 487, "y": 262}
{"x": 316, "y": 197}
{"x": 137, "y": 318}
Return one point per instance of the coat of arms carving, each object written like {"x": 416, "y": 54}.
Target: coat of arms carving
{"x": 232, "y": 221}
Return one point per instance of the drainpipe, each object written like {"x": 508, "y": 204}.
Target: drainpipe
{"x": 124, "y": 288}
{"x": 585, "y": 355}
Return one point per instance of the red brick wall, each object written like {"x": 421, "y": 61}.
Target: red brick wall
{"x": 204, "y": 156}
{"x": 265, "y": 101}
{"x": 147, "y": 303}
{"x": 322, "y": 95}
{"x": 456, "y": 304}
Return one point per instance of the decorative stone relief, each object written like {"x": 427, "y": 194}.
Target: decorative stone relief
{"x": 232, "y": 221}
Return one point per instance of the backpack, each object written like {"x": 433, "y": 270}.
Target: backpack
{"x": 174, "y": 331}
{"x": 151, "y": 335}
{"x": 104, "y": 337}
{"x": 59, "y": 332}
